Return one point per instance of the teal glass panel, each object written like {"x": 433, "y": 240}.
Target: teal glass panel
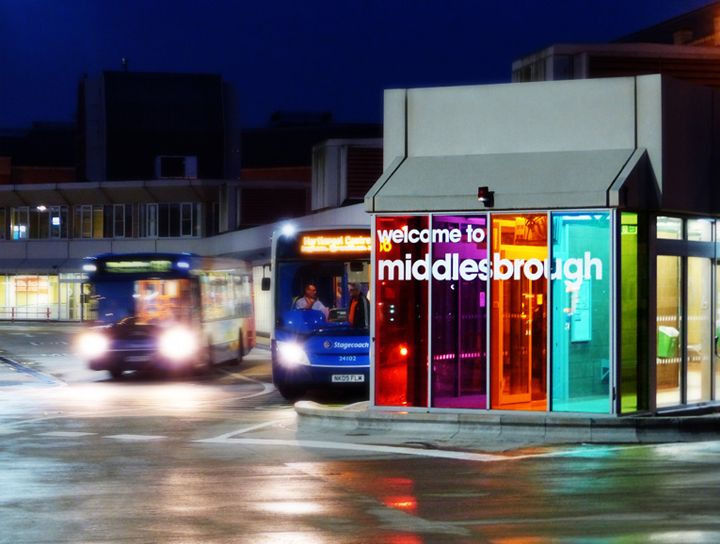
{"x": 581, "y": 312}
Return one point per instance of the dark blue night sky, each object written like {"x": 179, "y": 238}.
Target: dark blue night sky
{"x": 301, "y": 55}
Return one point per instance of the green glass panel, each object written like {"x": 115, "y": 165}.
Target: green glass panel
{"x": 632, "y": 329}
{"x": 581, "y": 312}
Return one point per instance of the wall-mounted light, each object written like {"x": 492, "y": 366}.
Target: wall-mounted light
{"x": 486, "y": 196}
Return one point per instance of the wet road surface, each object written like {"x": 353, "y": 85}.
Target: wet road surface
{"x": 221, "y": 459}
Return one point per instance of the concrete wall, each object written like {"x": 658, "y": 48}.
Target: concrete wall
{"x": 673, "y": 120}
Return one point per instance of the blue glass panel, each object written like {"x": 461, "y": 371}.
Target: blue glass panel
{"x": 581, "y": 312}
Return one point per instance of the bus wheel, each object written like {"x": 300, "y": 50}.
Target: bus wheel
{"x": 290, "y": 392}
{"x": 206, "y": 361}
{"x": 115, "y": 373}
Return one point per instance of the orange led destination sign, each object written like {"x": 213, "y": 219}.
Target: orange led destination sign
{"x": 340, "y": 243}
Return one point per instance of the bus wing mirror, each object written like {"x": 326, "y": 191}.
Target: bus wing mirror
{"x": 265, "y": 284}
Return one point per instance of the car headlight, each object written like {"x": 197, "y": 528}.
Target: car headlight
{"x": 177, "y": 343}
{"x": 93, "y": 344}
{"x": 292, "y": 354}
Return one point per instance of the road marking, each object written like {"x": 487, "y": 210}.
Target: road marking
{"x": 136, "y": 437}
{"x": 47, "y": 379}
{"x": 65, "y": 434}
{"x": 267, "y": 387}
{"x": 393, "y": 450}
{"x": 225, "y": 437}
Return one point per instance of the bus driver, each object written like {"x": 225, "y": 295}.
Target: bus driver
{"x": 309, "y": 301}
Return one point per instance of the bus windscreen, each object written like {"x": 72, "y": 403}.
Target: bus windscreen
{"x": 149, "y": 302}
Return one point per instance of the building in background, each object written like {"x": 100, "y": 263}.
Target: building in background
{"x": 287, "y": 165}
{"x": 686, "y": 47}
{"x": 158, "y": 170}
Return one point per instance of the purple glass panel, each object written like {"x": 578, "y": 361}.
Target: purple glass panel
{"x": 459, "y": 322}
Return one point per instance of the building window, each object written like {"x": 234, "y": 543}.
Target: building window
{"x": 103, "y": 221}
{"x": 38, "y": 222}
{"x": 117, "y": 221}
{"x": 20, "y": 223}
{"x": 401, "y": 325}
{"x": 518, "y": 343}
{"x": 147, "y": 214}
{"x": 459, "y": 315}
{"x": 463, "y": 311}
{"x": 169, "y": 220}
{"x": 633, "y": 331}
{"x": 581, "y": 313}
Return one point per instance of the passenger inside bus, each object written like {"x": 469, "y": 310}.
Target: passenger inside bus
{"x": 359, "y": 313}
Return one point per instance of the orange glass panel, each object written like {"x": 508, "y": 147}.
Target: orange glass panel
{"x": 518, "y": 329}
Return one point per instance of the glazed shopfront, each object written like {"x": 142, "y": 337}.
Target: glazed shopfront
{"x": 568, "y": 288}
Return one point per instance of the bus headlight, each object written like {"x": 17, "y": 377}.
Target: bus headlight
{"x": 177, "y": 343}
{"x": 93, "y": 344}
{"x": 292, "y": 354}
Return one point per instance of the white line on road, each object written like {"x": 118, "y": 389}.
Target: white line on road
{"x": 65, "y": 434}
{"x": 225, "y": 437}
{"x": 136, "y": 437}
{"x": 393, "y": 450}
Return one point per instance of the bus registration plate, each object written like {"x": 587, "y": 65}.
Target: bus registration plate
{"x": 345, "y": 378}
{"x": 137, "y": 358}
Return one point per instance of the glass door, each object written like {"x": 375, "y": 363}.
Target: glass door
{"x": 685, "y": 328}
{"x": 699, "y": 344}
{"x": 669, "y": 330}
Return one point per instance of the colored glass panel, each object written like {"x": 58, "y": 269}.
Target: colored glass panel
{"x": 459, "y": 323}
{"x": 581, "y": 312}
{"x": 634, "y": 282}
{"x": 519, "y": 312}
{"x": 401, "y": 311}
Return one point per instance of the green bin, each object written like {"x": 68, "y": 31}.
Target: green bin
{"x": 667, "y": 341}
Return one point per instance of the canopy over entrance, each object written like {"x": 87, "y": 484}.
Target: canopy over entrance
{"x": 561, "y": 179}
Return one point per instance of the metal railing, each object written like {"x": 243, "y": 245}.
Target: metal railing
{"x": 19, "y": 312}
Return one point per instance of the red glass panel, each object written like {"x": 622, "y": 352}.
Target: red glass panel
{"x": 401, "y": 313}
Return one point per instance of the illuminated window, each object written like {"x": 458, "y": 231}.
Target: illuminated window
{"x": 669, "y": 228}
{"x": 401, "y": 310}
{"x": 581, "y": 312}
{"x": 632, "y": 329}
{"x": 459, "y": 310}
